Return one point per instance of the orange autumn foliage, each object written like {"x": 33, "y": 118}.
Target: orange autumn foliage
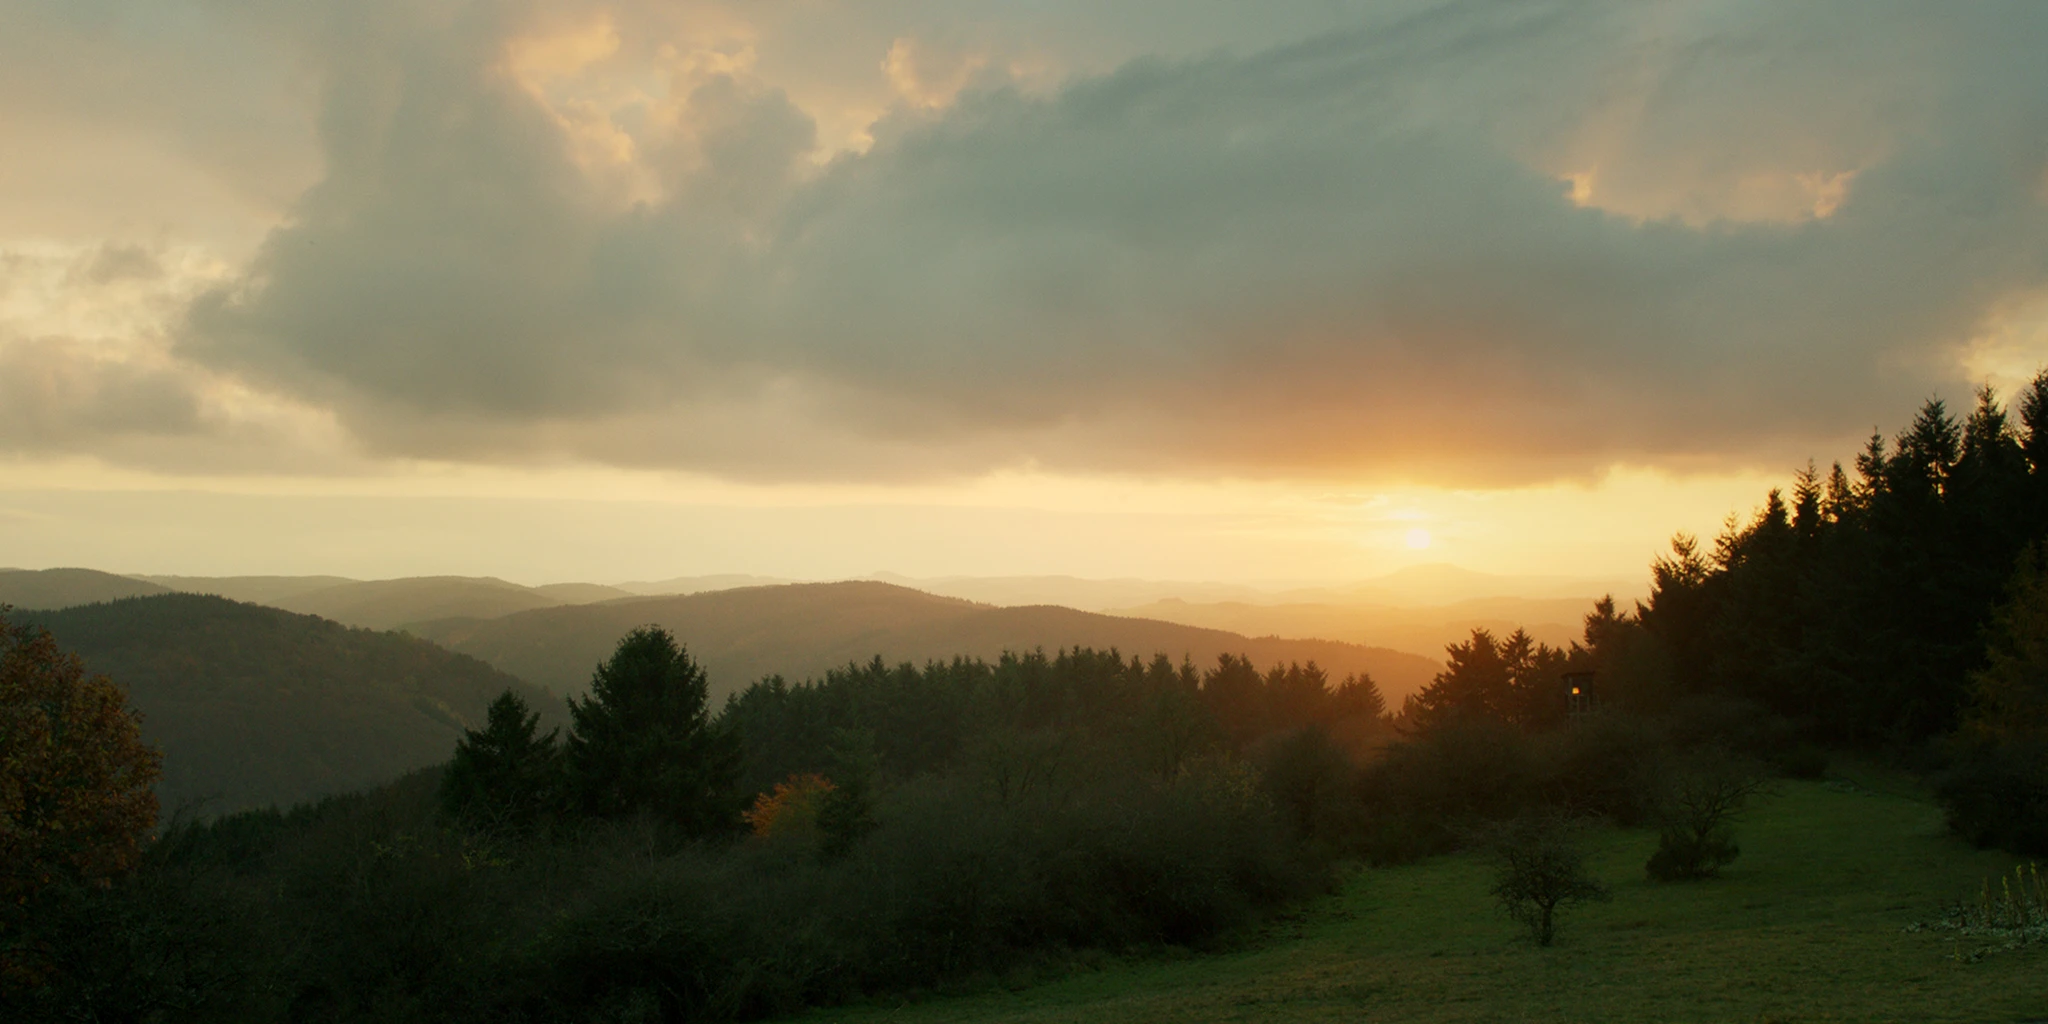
{"x": 792, "y": 808}
{"x": 75, "y": 776}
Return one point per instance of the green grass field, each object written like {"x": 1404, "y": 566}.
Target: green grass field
{"x": 1809, "y": 925}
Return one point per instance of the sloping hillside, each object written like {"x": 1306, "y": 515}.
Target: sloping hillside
{"x": 389, "y": 604}
{"x": 62, "y": 588}
{"x": 253, "y": 589}
{"x": 255, "y": 706}
{"x": 582, "y": 593}
{"x": 801, "y": 630}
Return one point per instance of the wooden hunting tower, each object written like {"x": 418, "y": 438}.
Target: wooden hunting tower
{"x": 1579, "y": 695}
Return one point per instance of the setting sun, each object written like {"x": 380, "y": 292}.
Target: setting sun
{"x": 1417, "y": 539}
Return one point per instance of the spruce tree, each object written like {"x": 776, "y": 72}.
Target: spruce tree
{"x": 503, "y": 776}
{"x": 644, "y": 740}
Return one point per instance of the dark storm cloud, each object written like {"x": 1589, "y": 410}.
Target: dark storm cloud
{"x": 1355, "y": 254}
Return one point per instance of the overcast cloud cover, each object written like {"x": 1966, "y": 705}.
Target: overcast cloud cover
{"x": 1465, "y": 243}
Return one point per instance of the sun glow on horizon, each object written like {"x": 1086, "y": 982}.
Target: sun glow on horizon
{"x": 1417, "y": 539}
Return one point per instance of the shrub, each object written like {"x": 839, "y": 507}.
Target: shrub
{"x": 1996, "y": 793}
{"x": 1312, "y": 784}
{"x": 1539, "y": 872}
{"x": 1696, "y": 808}
{"x": 1606, "y": 765}
{"x": 1798, "y": 760}
{"x": 162, "y": 945}
{"x": 1420, "y": 793}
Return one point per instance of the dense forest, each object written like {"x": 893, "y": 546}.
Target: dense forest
{"x": 1895, "y": 610}
{"x": 893, "y": 829}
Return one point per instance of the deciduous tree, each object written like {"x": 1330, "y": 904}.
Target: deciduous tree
{"x": 75, "y": 776}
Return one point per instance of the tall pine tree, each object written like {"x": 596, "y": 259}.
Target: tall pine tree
{"x": 644, "y": 740}
{"x": 504, "y": 776}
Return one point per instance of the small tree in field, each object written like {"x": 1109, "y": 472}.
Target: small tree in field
{"x": 1540, "y": 871}
{"x": 75, "y": 776}
{"x": 503, "y": 776}
{"x": 1696, "y": 811}
{"x": 644, "y": 741}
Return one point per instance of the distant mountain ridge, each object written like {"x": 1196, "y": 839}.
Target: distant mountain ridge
{"x": 63, "y": 588}
{"x": 1419, "y": 609}
{"x": 391, "y": 604}
{"x": 1554, "y": 621}
{"x": 800, "y": 631}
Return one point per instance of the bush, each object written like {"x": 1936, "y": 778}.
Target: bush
{"x": 1312, "y": 784}
{"x": 158, "y": 945}
{"x": 1798, "y": 761}
{"x": 1996, "y": 794}
{"x": 1696, "y": 808}
{"x": 1422, "y": 794}
{"x": 950, "y": 885}
{"x": 1606, "y": 765}
{"x": 1540, "y": 871}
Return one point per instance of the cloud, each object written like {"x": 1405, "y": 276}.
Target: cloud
{"x": 55, "y": 394}
{"x": 1485, "y": 243}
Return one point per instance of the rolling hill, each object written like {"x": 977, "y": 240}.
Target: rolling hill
{"x": 801, "y": 630}
{"x": 389, "y": 604}
{"x": 254, "y": 706}
{"x": 62, "y": 588}
{"x": 253, "y": 589}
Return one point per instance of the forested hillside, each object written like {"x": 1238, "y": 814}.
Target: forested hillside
{"x": 391, "y": 604}
{"x": 254, "y": 706}
{"x": 801, "y": 631}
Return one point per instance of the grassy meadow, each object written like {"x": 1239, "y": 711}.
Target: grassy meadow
{"x": 1810, "y": 924}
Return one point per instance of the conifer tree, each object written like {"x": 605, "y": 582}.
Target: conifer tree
{"x": 505, "y": 775}
{"x": 644, "y": 740}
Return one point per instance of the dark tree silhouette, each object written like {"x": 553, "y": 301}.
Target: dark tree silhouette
{"x": 503, "y": 776}
{"x": 644, "y": 741}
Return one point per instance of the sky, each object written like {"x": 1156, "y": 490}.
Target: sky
{"x": 1290, "y": 292}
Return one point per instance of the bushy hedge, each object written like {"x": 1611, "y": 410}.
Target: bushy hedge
{"x": 372, "y": 907}
{"x": 1996, "y": 793}
{"x": 1431, "y": 793}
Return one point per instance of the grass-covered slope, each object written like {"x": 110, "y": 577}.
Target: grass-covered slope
{"x": 62, "y": 588}
{"x": 254, "y": 706}
{"x": 1809, "y": 925}
{"x": 802, "y": 630}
